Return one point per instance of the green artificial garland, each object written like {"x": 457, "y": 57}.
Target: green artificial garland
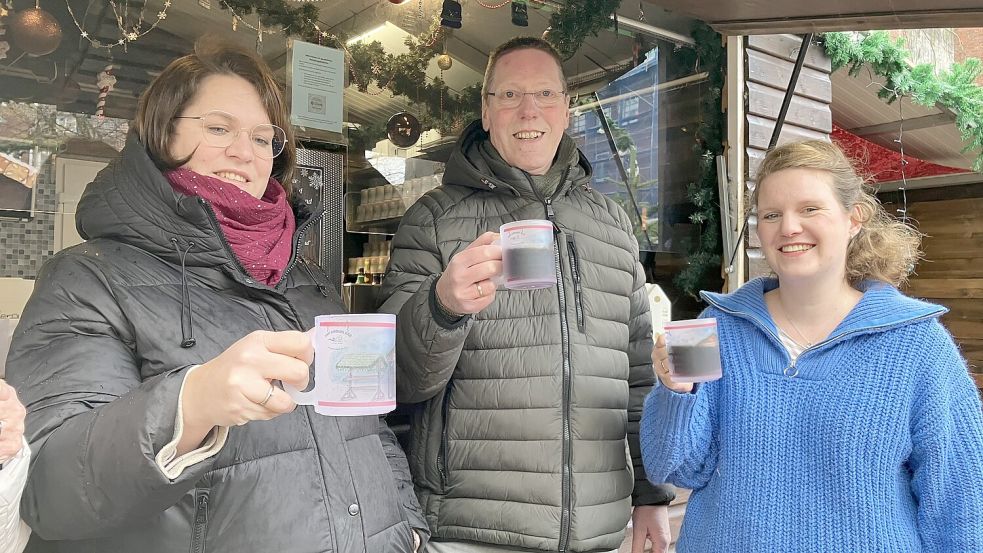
{"x": 576, "y": 20}
{"x": 404, "y": 75}
{"x": 956, "y": 89}
{"x": 703, "y": 256}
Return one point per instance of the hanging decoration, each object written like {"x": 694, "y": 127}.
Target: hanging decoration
{"x": 105, "y": 81}
{"x": 403, "y": 129}
{"x": 35, "y": 31}
{"x": 450, "y": 14}
{"x": 955, "y": 88}
{"x": 128, "y": 31}
{"x": 405, "y": 75}
{"x": 444, "y": 62}
{"x": 520, "y": 14}
{"x": 279, "y": 16}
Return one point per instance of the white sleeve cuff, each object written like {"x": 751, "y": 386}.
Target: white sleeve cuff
{"x": 167, "y": 459}
{"x": 13, "y": 475}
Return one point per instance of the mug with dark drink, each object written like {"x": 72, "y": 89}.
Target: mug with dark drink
{"x": 527, "y": 254}
{"x": 694, "y": 350}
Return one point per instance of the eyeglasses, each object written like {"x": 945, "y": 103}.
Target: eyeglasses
{"x": 543, "y": 98}
{"x": 221, "y": 129}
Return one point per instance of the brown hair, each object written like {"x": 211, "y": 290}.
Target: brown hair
{"x": 177, "y": 85}
{"x": 885, "y": 249}
{"x": 519, "y": 43}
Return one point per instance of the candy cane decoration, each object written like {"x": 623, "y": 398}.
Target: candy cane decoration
{"x": 105, "y": 82}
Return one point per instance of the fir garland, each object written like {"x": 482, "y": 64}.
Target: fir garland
{"x": 576, "y": 20}
{"x": 405, "y": 75}
{"x": 703, "y": 260}
{"x": 295, "y": 21}
{"x": 956, "y": 89}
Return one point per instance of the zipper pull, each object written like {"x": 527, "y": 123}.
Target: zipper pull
{"x": 202, "y": 516}
{"x": 549, "y": 210}
{"x": 791, "y": 371}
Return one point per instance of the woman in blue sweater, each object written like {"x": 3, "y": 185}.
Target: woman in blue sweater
{"x": 845, "y": 419}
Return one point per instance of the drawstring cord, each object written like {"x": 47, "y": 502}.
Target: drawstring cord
{"x": 187, "y": 331}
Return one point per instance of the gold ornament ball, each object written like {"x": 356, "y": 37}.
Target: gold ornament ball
{"x": 444, "y": 62}
{"x": 35, "y": 31}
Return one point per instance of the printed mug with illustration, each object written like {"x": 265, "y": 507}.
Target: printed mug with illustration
{"x": 354, "y": 365}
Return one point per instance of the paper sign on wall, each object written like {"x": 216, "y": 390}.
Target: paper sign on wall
{"x": 317, "y": 86}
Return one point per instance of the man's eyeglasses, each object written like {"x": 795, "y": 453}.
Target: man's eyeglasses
{"x": 543, "y": 98}
{"x": 221, "y": 129}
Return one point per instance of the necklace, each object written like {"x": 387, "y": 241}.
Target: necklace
{"x": 806, "y": 341}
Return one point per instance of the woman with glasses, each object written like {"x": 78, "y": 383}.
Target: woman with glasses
{"x": 151, "y": 357}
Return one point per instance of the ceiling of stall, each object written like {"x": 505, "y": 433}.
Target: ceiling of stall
{"x": 68, "y": 76}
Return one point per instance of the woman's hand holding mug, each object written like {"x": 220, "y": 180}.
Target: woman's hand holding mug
{"x": 660, "y": 362}
{"x": 237, "y": 386}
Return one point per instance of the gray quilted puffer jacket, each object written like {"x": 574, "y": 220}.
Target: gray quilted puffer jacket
{"x": 98, "y": 359}
{"x": 522, "y": 411}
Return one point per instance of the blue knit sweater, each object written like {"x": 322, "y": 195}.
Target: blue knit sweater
{"x": 875, "y": 443}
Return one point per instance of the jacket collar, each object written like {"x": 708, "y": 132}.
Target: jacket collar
{"x": 882, "y": 307}
{"x": 467, "y": 167}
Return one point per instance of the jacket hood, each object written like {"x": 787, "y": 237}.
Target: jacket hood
{"x": 131, "y": 201}
{"x": 468, "y": 167}
{"x": 881, "y": 307}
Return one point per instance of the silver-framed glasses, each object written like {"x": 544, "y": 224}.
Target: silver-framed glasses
{"x": 221, "y": 129}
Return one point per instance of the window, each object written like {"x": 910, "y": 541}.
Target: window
{"x": 579, "y": 124}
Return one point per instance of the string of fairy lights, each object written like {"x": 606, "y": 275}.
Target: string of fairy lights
{"x": 126, "y": 33}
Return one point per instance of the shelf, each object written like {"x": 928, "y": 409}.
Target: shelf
{"x": 378, "y": 209}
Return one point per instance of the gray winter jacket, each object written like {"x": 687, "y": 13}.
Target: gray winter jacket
{"x": 98, "y": 360}
{"x": 519, "y": 435}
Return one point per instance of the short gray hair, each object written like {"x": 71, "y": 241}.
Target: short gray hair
{"x": 520, "y": 43}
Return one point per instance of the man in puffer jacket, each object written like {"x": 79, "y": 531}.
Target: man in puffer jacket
{"x": 525, "y": 400}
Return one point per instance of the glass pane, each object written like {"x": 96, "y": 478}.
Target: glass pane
{"x": 650, "y": 157}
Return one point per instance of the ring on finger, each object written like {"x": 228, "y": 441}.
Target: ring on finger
{"x": 481, "y": 293}
{"x": 269, "y": 394}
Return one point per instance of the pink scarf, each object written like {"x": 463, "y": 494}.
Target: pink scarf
{"x": 260, "y": 231}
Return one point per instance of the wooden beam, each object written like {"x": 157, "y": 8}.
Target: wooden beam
{"x": 913, "y": 124}
{"x": 970, "y": 17}
{"x": 943, "y": 288}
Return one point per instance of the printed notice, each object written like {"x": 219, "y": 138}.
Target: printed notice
{"x": 317, "y": 86}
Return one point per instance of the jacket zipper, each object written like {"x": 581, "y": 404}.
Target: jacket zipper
{"x": 442, "y": 453}
{"x": 577, "y": 288}
{"x": 201, "y": 521}
{"x": 565, "y": 346}
{"x": 792, "y": 370}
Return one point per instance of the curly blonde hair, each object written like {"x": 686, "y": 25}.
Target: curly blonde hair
{"x": 885, "y": 249}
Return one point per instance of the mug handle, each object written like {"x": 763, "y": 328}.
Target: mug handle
{"x": 301, "y": 397}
